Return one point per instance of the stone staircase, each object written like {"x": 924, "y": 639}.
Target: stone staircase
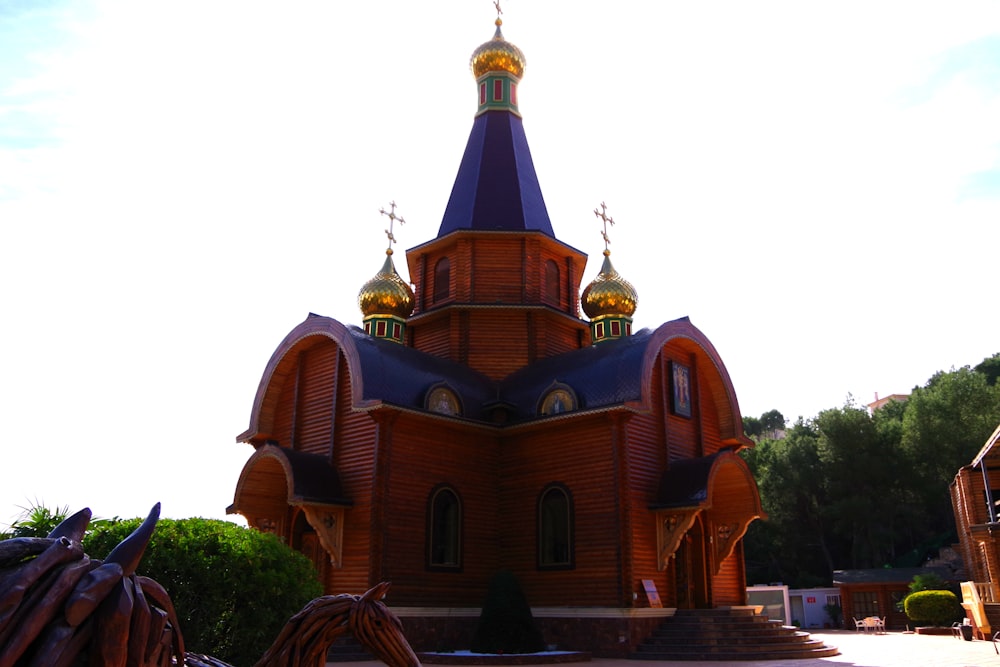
{"x": 728, "y": 634}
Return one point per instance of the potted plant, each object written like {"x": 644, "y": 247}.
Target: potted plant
{"x": 834, "y": 612}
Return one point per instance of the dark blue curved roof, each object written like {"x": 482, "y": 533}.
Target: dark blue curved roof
{"x": 496, "y": 188}
{"x": 400, "y": 375}
{"x": 685, "y": 482}
{"x": 313, "y": 478}
{"x": 601, "y": 375}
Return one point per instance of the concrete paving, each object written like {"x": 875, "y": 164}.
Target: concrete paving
{"x": 893, "y": 649}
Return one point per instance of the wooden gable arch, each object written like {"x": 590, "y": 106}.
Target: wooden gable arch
{"x": 716, "y": 376}
{"x": 734, "y": 503}
{"x": 722, "y": 489}
{"x": 275, "y": 479}
{"x": 283, "y": 363}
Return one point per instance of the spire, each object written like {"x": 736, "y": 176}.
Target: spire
{"x": 496, "y": 188}
{"x": 386, "y": 300}
{"x": 609, "y": 300}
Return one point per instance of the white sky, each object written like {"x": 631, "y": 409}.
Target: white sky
{"x": 816, "y": 185}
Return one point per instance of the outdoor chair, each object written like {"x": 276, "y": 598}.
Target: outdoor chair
{"x": 860, "y": 625}
{"x": 874, "y": 624}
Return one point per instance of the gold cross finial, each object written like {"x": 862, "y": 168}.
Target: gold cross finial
{"x": 392, "y": 218}
{"x": 608, "y": 220}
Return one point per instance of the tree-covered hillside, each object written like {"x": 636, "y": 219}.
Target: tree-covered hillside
{"x": 849, "y": 489}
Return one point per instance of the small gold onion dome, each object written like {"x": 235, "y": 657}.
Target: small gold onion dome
{"x": 497, "y": 55}
{"x": 386, "y": 293}
{"x": 609, "y": 293}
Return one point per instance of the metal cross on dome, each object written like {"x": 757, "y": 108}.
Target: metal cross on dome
{"x": 608, "y": 220}
{"x": 392, "y": 218}
{"x": 496, "y": 3}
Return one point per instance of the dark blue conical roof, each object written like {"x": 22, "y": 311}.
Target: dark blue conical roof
{"x": 496, "y": 188}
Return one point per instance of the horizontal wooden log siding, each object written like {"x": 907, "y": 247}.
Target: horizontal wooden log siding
{"x": 492, "y": 272}
{"x": 499, "y": 270}
{"x": 555, "y": 334}
{"x": 481, "y": 337}
{"x": 354, "y": 459}
{"x": 491, "y": 266}
{"x": 429, "y": 453}
{"x": 729, "y": 586}
{"x": 699, "y": 435}
{"x": 284, "y": 412}
{"x": 962, "y": 507}
{"x": 497, "y": 341}
{"x": 578, "y": 455}
{"x": 266, "y": 496}
{"x": 647, "y": 459}
{"x": 538, "y": 253}
{"x": 968, "y": 493}
{"x": 433, "y": 336}
{"x": 711, "y": 439}
{"x": 315, "y": 398}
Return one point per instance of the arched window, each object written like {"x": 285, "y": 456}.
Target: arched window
{"x": 442, "y": 280}
{"x": 444, "y": 524}
{"x": 555, "y": 528}
{"x": 552, "y": 282}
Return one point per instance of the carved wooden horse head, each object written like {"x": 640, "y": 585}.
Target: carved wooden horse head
{"x": 307, "y": 635}
{"x": 379, "y": 630}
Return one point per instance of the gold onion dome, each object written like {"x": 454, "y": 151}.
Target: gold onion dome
{"x": 497, "y": 55}
{"x": 609, "y": 294}
{"x": 386, "y": 293}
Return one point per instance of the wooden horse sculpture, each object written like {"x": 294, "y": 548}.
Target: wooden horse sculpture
{"x": 59, "y": 608}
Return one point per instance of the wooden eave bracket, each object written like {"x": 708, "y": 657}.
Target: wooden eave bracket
{"x": 328, "y": 522}
{"x": 726, "y": 534}
{"x": 671, "y": 524}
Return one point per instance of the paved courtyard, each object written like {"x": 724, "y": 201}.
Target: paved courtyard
{"x": 893, "y": 649}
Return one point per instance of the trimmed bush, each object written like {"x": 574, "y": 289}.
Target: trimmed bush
{"x": 234, "y": 588}
{"x": 506, "y": 624}
{"x": 934, "y": 607}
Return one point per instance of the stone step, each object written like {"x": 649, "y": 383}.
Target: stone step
{"x": 706, "y": 656}
{"x": 742, "y": 621}
{"x": 718, "y": 628}
{"x": 728, "y": 634}
{"x": 784, "y": 638}
{"x": 720, "y": 611}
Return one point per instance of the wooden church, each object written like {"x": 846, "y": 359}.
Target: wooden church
{"x": 477, "y": 422}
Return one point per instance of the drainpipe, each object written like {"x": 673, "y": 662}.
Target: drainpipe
{"x": 989, "y": 494}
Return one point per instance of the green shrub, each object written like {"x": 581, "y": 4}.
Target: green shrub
{"x": 934, "y": 607}
{"x": 506, "y": 624}
{"x": 233, "y": 588}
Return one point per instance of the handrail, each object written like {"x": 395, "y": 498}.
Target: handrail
{"x": 986, "y": 591}
{"x": 972, "y": 602}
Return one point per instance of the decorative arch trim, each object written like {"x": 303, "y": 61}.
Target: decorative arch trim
{"x": 282, "y": 361}
{"x": 275, "y": 478}
{"x": 735, "y": 503}
{"x": 722, "y": 488}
